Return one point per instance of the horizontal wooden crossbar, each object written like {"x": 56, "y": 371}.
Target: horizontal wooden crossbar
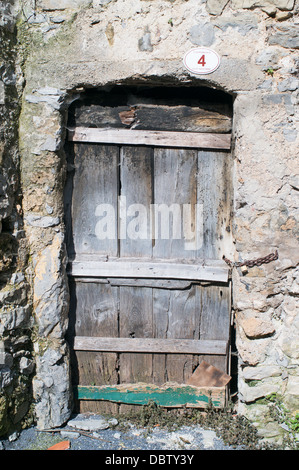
{"x": 213, "y": 271}
{"x": 150, "y": 345}
{"x": 150, "y": 138}
{"x": 169, "y": 395}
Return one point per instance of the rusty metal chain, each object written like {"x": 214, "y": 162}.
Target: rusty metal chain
{"x": 254, "y": 262}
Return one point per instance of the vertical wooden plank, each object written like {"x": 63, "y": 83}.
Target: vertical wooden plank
{"x": 68, "y": 198}
{"x": 94, "y": 204}
{"x": 135, "y": 200}
{"x": 174, "y": 312}
{"x": 94, "y": 230}
{"x": 184, "y": 323}
{"x": 215, "y": 195}
{"x": 135, "y": 322}
{"x": 175, "y": 198}
{"x": 135, "y": 302}
{"x": 96, "y": 314}
{"x": 226, "y": 207}
{"x": 215, "y": 319}
{"x": 160, "y": 329}
{"x": 176, "y": 315}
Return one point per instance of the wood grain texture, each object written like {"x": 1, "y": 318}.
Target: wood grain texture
{"x": 136, "y": 192}
{"x": 156, "y": 283}
{"x": 94, "y": 311}
{"x": 169, "y": 395}
{"x": 149, "y": 345}
{"x": 175, "y": 173}
{"x": 148, "y": 117}
{"x": 150, "y": 138}
{"x": 135, "y": 317}
{"x": 95, "y": 184}
{"x": 215, "y": 319}
{"x": 215, "y": 194}
{"x": 147, "y": 269}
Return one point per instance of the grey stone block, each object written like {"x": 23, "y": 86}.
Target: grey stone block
{"x": 6, "y": 359}
{"x": 290, "y": 135}
{"x": 144, "y": 43}
{"x": 52, "y": 5}
{"x": 285, "y": 36}
{"x": 202, "y": 34}
{"x": 289, "y": 84}
{"x": 243, "y": 22}
{"x": 281, "y": 4}
{"x": 216, "y": 7}
{"x": 36, "y": 220}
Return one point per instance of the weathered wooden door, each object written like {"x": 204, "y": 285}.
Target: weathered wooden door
{"x": 148, "y": 204}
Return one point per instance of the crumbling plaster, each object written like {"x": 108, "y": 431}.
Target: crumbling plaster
{"x": 66, "y": 47}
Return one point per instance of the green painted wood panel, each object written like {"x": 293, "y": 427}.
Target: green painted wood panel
{"x": 166, "y": 396}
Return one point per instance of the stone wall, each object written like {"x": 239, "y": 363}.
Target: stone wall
{"x": 67, "y": 46}
{"x": 16, "y": 325}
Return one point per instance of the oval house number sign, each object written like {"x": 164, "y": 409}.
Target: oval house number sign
{"x": 201, "y": 60}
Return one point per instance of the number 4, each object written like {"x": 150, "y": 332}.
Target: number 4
{"x": 202, "y": 60}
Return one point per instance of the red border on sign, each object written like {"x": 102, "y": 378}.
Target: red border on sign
{"x": 202, "y": 50}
